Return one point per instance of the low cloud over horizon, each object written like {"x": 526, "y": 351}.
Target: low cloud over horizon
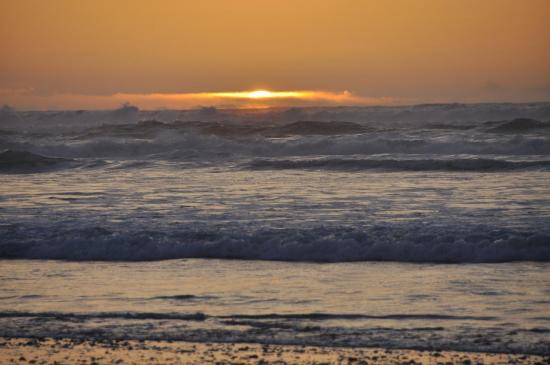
{"x": 29, "y": 99}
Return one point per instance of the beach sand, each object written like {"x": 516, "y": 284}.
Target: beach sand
{"x": 92, "y": 352}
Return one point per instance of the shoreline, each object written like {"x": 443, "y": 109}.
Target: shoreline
{"x": 95, "y": 352}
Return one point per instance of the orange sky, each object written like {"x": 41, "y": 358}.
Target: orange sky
{"x": 96, "y": 54}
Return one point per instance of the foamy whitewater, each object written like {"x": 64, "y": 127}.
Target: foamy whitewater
{"x": 367, "y": 209}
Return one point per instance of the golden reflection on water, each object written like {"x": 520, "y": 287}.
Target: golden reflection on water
{"x": 511, "y": 292}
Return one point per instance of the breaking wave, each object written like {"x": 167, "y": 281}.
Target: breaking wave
{"x": 193, "y": 146}
{"x": 410, "y": 242}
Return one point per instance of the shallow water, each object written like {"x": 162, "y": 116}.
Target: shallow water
{"x": 482, "y": 307}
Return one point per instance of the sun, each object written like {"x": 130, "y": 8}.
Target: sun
{"x": 264, "y": 95}
{"x": 258, "y": 94}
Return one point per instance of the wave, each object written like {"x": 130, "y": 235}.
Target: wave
{"x": 197, "y": 147}
{"x": 23, "y": 161}
{"x": 106, "y": 315}
{"x": 272, "y": 316}
{"x": 332, "y": 316}
{"x": 519, "y": 125}
{"x": 431, "y": 113}
{"x": 342, "y": 164}
{"x": 401, "y": 242}
{"x": 165, "y": 146}
{"x": 211, "y": 135}
{"x": 150, "y": 128}
{"x": 185, "y": 297}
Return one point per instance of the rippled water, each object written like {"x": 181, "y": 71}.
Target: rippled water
{"x": 469, "y": 307}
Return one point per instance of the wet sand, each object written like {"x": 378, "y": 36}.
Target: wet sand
{"x": 92, "y": 352}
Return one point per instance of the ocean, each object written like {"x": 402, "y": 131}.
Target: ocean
{"x": 422, "y": 227}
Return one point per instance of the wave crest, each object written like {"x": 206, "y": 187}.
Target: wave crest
{"x": 412, "y": 242}
{"x": 23, "y": 161}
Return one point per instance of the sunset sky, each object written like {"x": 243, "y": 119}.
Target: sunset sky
{"x": 99, "y": 54}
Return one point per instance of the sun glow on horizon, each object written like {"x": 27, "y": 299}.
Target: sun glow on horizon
{"x": 256, "y": 98}
{"x": 260, "y": 94}
{"x": 264, "y": 95}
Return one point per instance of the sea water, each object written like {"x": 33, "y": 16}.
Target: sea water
{"x": 421, "y": 227}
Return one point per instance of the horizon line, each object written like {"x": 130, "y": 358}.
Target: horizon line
{"x": 8, "y": 107}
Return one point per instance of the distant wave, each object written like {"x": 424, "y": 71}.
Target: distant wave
{"x": 426, "y": 113}
{"x": 519, "y": 125}
{"x": 406, "y": 242}
{"x": 191, "y": 146}
{"x": 150, "y": 128}
{"x": 471, "y": 164}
